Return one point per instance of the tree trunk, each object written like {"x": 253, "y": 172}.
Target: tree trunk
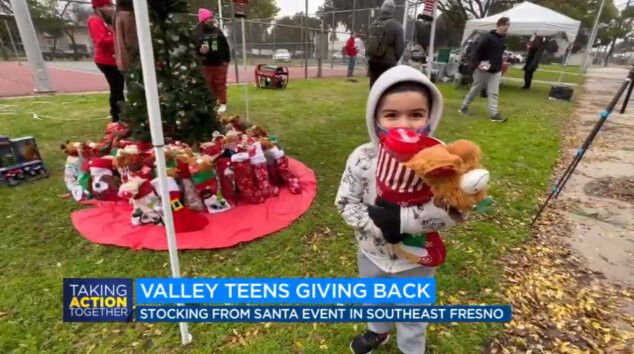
{"x": 610, "y": 51}
{"x": 71, "y": 36}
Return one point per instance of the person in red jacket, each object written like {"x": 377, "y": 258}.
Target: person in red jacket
{"x": 351, "y": 52}
{"x": 101, "y": 33}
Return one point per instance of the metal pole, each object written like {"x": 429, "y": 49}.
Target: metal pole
{"x": 233, "y": 52}
{"x": 332, "y": 43}
{"x": 405, "y": 16}
{"x": 354, "y": 14}
{"x": 414, "y": 17}
{"x": 321, "y": 48}
{"x": 595, "y": 28}
{"x": 31, "y": 45}
{"x": 244, "y": 46}
{"x": 15, "y": 49}
{"x": 3, "y": 46}
{"x": 233, "y": 44}
{"x": 432, "y": 35}
{"x": 246, "y": 100}
{"x": 305, "y": 32}
{"x": 156, "y": 129}
{"x": 404, "y": 26}
{"x": 220, "y": 13}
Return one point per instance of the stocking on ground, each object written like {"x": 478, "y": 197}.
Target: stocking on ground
{"x": 190, "y": 195}
{"x": 71, "y": 172}
{"x": 260, "y": 169}
{"x": 146, "y": 203}
{"x": 81, "y": 190}
{"x": 227, "y": 180}
{"x": 274, "y": 172}
{"x": 185, "y": 219}
{"x": 207, "y": 187}
{"x": 105, "y": 185}
{"x": 285, "y": 172}
{"x": 245, "y": 179}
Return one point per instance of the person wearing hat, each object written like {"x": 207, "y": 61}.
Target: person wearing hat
{"x": 212, "y": 47}
{"x": 101, "y": 33}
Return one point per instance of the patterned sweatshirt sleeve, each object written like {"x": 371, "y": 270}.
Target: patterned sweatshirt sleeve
{"x": 349, "y": 200}
{"x": 424, "y": 218}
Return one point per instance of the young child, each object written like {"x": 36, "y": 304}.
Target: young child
{"x": 401, "y": 98}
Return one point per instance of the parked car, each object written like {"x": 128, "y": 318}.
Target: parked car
{"x": 337, "y": 55}
{"x": 64, "y": 54}
{"x": 282, "y": 55}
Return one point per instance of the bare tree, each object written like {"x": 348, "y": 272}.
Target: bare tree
{"x": 75, "y": 14}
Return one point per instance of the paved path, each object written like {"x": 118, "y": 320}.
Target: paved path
{"x": 16, "y": 78}
{"x": 603, "y": 208}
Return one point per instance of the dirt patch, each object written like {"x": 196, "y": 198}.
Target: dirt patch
{"x": 614, "y": 188}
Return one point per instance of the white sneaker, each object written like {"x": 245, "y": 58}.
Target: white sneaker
{"x": 222, "y": 108}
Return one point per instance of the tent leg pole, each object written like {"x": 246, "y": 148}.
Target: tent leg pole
{"x": 156, "y": 129}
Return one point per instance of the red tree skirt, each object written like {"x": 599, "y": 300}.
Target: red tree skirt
{"x": 109, "y": 224}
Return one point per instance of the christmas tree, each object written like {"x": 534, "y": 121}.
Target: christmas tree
{"x": 186, "y": 104}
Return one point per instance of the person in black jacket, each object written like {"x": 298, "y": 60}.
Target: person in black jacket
{"x": 211, "y": 45}
{"x": 487, "y": 64}
{"x": 386, "y": 42}
{"x": 535, "y": 51}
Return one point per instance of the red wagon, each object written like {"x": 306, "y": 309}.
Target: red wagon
{"x": 271, "y": 76}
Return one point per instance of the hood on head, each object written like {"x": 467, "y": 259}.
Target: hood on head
{"x": 387, "y": 7}
{"x": 401, "y": 73}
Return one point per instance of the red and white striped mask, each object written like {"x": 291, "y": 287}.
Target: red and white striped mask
{"x": 397, "y": 183}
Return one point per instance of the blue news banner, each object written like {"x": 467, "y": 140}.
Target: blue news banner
{"x": 409, "y": 293}
{"x": 312, "y": 299}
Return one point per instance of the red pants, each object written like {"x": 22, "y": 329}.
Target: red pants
{"x": 217, "y": 81}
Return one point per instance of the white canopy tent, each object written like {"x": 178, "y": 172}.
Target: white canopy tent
{"x": 527, "y": 19}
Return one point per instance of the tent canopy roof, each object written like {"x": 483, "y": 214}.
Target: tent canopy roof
{"x": 527, "y": 19}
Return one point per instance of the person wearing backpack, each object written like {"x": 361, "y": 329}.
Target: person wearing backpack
{"x": 385, "y": 42}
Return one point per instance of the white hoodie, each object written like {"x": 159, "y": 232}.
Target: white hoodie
{"x": 358, "y": 183}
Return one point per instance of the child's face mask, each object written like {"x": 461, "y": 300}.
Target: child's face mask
{"x": 421, "y": 132}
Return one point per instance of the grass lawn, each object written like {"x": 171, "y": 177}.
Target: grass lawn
{"x": 320, "y": 122}
{"x": 557, "y": 67}
{"x": 546, "y": 75}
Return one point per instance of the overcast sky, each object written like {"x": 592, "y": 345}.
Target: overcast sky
{"x": 290, "y": 7}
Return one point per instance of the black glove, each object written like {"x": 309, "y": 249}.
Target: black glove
{"x": 387, "y": 217}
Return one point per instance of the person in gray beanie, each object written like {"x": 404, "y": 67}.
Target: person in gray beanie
{"x": 385, "y": 42}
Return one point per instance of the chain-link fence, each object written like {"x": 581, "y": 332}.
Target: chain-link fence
{"x": 311, "y": 46}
